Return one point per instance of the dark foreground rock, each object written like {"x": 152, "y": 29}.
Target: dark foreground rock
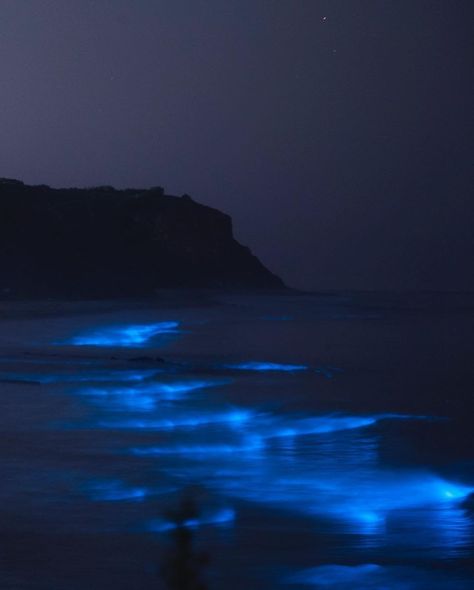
{"x": 102, "y": 242}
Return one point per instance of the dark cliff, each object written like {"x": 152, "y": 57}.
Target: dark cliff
{"x": 103, "y": 242}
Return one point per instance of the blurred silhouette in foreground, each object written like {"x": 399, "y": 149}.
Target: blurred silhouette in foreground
{"x": 183, "y": 565}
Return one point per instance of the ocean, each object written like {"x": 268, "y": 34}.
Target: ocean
{"x": 250, "y": 441}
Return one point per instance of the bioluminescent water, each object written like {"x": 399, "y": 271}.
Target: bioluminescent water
{"x": 134, "y": 335}
{"x": 336, "y": 477}
{"x": 371, "y": 576}
{"x": 267, "y": 366}
{"x": 115, "y": 491}
{"x": 203, "y": 450}
{"x": 332, "y": 575}
{"x": 233, "y": 418}
{"x": 142, "y": 397}
{"x": 224, "y": 516}
{"x": 345, "y": 462}
{"x": 109, "y": 376}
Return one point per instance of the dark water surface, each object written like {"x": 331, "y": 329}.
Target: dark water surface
{"x": 326, "y": 442}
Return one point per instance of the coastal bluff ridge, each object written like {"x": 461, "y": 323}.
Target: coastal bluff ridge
{"x": 106, "y": 242}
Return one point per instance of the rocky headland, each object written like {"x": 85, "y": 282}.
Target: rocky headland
{"x": 103, "y": 242}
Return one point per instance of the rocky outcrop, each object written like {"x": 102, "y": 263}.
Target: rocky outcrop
{"x": 102, "y": 242}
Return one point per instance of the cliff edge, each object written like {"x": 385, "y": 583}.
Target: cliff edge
{"x": 103, "y": 242}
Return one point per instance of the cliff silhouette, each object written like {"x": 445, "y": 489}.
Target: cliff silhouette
{"x": 104, "y": 242}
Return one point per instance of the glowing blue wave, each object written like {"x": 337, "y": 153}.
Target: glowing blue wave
{"x": 251, "y": 445}
{"x": 371, "y": 576}
{"x": 231, "y": 418}
{"x": 143, "y": 396}
{"x": 256, "y": 430}
{"x": 117, "y": 492}
{"x": 320, "y": 425}
{"x": 291, "y": 427}
{"x": 262, "y": 426}
{"x": 337, "y": 477}
{"x": 134, "y": 335}
{"x": 320, "y": 466}
{"x": 267, "y": 366}
{"x": 333, "y": 575}
{"x": 89, "y": 377}
{"x": 224, "y": 516}
{"x": 362, "y": 498}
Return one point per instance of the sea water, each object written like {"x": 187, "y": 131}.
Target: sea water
{"x": 325, "y": 441}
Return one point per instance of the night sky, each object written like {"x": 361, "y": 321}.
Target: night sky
{"x": 338, "y": 134}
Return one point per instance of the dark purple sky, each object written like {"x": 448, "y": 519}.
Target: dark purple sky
{"x": 338, "y": 133}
